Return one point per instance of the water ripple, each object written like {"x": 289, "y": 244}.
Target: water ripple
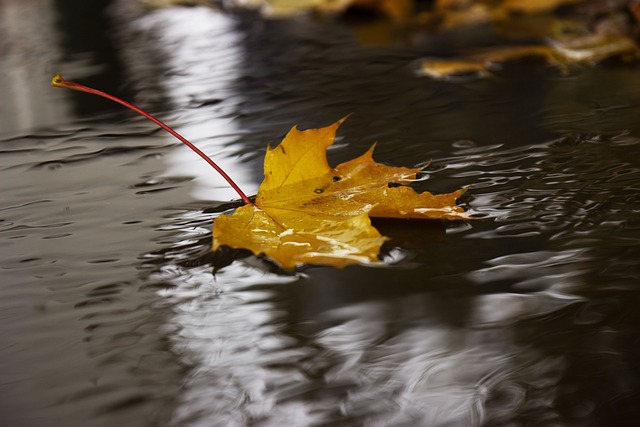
{"x": 569, "y": 184}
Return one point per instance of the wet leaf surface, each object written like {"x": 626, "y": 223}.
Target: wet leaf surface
{"x": 309, "y": 212}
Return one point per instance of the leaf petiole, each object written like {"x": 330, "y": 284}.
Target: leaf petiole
{"x": 59, "y": 81}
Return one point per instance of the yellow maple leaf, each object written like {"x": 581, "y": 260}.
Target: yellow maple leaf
{"x": 308, "y": 212}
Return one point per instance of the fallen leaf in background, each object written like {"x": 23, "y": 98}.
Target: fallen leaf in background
{"x": 308, "y": 212}
{"x": 594, "y": 48}
{"x": 448, "y": 69}
{"x": 535, "y": 6}
{"x": 480, "y": 64}
{"x": 562, "y": 54}
{"x": 397, "y": 10}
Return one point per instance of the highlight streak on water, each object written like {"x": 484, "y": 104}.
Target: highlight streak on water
{"x": 203, "y": 53}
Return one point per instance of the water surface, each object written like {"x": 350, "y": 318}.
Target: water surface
{"x": 114, "y": 311}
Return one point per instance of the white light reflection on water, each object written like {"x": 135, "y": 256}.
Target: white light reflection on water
{"x": 29, "y": 47}
{"x": 381, "y": 363}
{"x": 433, "y": 374}
{"x": 543, "y": 270}
{"x": 229, "y": 337}
{"x": 203, "y": 59}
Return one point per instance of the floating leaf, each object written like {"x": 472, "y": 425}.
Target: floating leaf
{"x": 397, "y": 10}
{"x": 480, "y": 64}
{"x": 448, "y": 69}
{"x": 308, "y": 212}
{"x": 561, "y": 53}
{"x": 593, "y": 48}
{"x": 535, "y": 6}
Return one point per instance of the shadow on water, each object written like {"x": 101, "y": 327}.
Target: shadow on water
{"x": 113, "y": 312}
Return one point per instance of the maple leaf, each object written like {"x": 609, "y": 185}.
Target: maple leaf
{"x": 308, "y": 212}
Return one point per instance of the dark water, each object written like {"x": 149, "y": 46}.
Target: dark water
{"x": 111, "y": 313}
